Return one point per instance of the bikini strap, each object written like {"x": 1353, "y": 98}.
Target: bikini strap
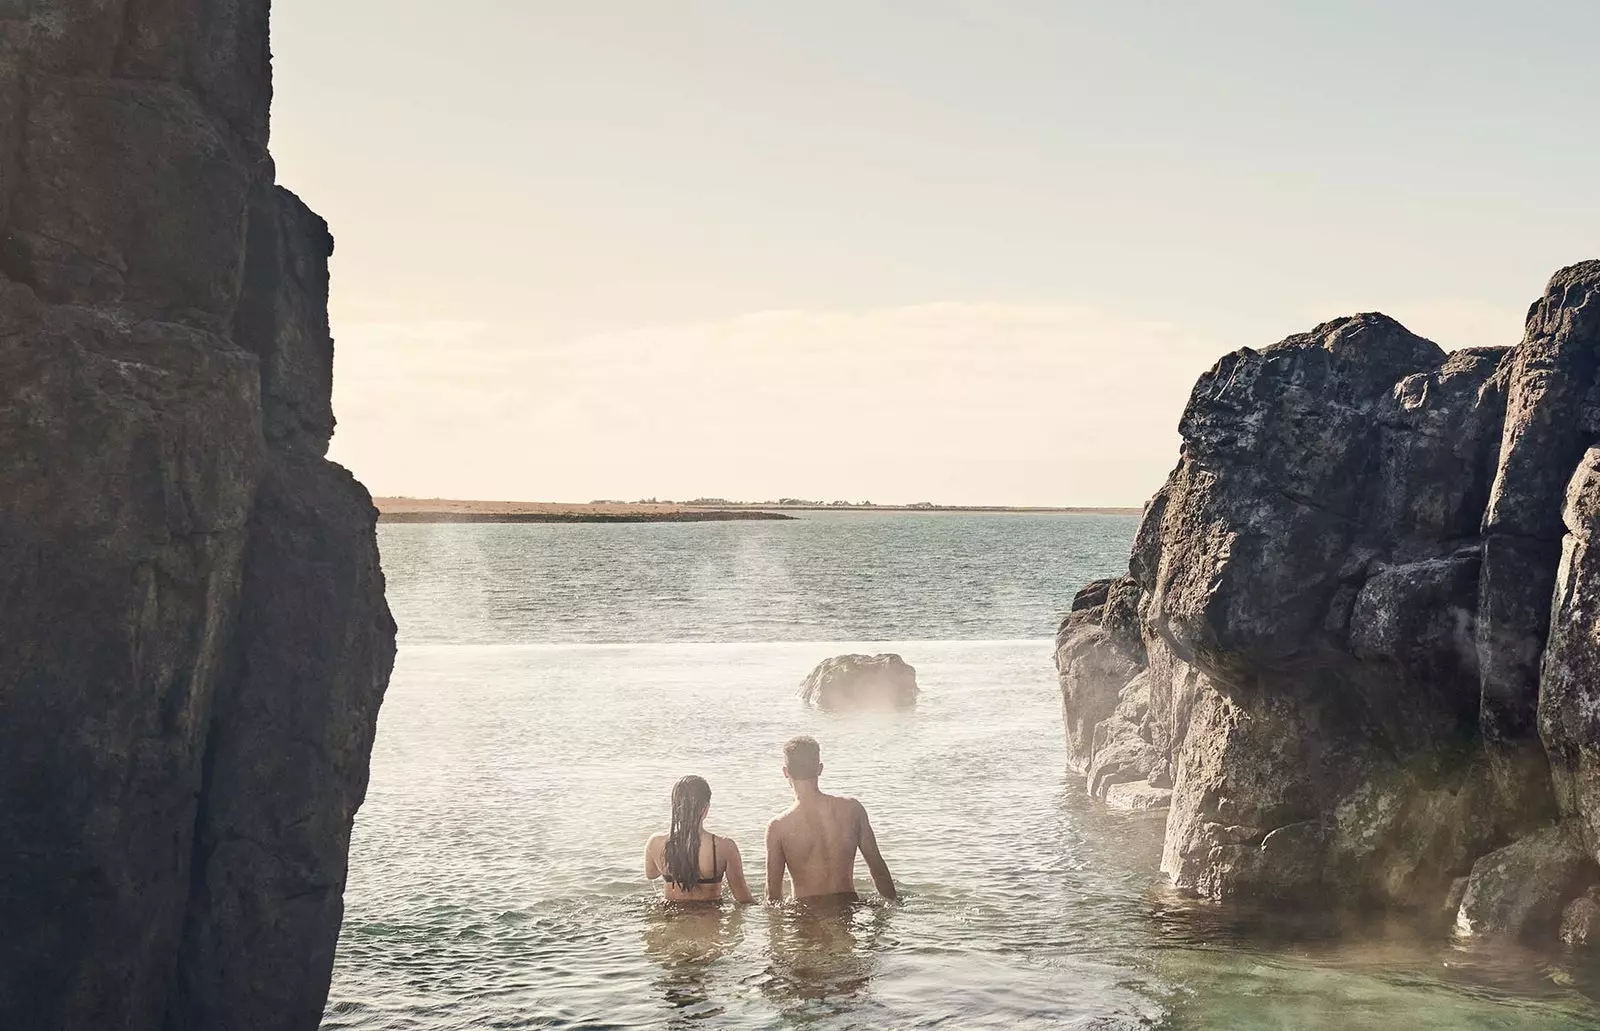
{"x": 714, "y": 871}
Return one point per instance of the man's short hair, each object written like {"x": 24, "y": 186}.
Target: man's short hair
{"x": 802, "y": 758}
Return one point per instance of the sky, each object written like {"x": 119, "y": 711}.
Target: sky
{"x": 961, "y": 251}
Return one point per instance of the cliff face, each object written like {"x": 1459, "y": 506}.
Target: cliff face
{"x": 193, "y": 636}
{"x": 1336, "y": 656}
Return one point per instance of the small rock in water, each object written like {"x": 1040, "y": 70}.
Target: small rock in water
{"x": 861, "y": 682}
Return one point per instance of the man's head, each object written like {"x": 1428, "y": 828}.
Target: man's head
{"x": 802, "y": 759}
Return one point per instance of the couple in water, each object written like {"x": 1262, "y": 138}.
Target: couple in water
{"x": 816, "y": 841}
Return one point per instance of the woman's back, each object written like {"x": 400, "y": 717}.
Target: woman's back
{"x": 711, "y": 867}
{"x": 692, "y": 860}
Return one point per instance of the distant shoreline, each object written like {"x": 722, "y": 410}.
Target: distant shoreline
{"x": 445, "y": 510}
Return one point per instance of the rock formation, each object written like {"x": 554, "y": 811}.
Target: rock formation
{"x": 848, "y": 682}
{"x": 1357, "y": 638}
{"x": 193, "y": 636}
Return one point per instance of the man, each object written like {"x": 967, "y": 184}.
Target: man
{"x": 817, "y": 839}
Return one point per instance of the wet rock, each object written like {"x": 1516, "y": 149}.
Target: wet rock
{"x": 1519, "y": 891}
{"x": 196, "y": 641}
{"x": 1580, "y": 921}
{"x": 852, "y": 682}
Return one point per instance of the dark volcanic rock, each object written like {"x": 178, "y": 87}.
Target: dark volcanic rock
{"x": 861, "y": 682}
{"x": 288, "y": 753}
{"x": 282, "y": 318}
{"x": 1318, "y": 655}
{"x": 1342, "y": 647}
{"x": 195, "y": 637}
{"x": 1278, "y": 445}
{"x": 1549, "y": 423}
{"x": 1569, "y": 698}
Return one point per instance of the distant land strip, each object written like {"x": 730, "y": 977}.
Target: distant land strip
{"x": 445, "y": 510}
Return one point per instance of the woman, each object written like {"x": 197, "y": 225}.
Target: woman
{"x": 694, "y": 861}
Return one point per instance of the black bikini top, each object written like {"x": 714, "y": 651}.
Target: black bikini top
{"x": 702, "y": 881}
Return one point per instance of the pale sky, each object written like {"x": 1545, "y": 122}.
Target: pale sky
{"x": 965, "y": 251}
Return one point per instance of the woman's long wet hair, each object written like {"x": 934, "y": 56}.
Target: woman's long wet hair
{"x": 691, "y": 796}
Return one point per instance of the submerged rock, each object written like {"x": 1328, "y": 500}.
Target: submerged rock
{"x": 195, "y": 636}
{"x": 1337, "y": 636}
{"x": 861, "y": 682}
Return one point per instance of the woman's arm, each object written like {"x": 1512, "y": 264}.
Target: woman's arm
{"x": 652, "y": 869}
{"x": 735, "y": 869}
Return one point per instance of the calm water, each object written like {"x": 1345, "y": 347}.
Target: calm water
{"x": 554, "y": 680}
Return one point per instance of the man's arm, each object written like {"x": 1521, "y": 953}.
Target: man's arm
{"x": 774, "y": 863}
{"x": 868, "y": 843}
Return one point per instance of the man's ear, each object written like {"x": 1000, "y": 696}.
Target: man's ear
{"x": 819, "y": 771}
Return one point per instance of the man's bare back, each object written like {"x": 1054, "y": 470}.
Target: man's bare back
{"x": 817, "y": 839}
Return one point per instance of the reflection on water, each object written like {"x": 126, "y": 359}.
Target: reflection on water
{"x": 684, "y": 940}
{"x": 822, "y": 953}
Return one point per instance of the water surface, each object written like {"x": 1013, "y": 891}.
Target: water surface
{"x": 554, "y": 680}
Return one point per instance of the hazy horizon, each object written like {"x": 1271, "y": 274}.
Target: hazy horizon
{"x": 963, "y": 252}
